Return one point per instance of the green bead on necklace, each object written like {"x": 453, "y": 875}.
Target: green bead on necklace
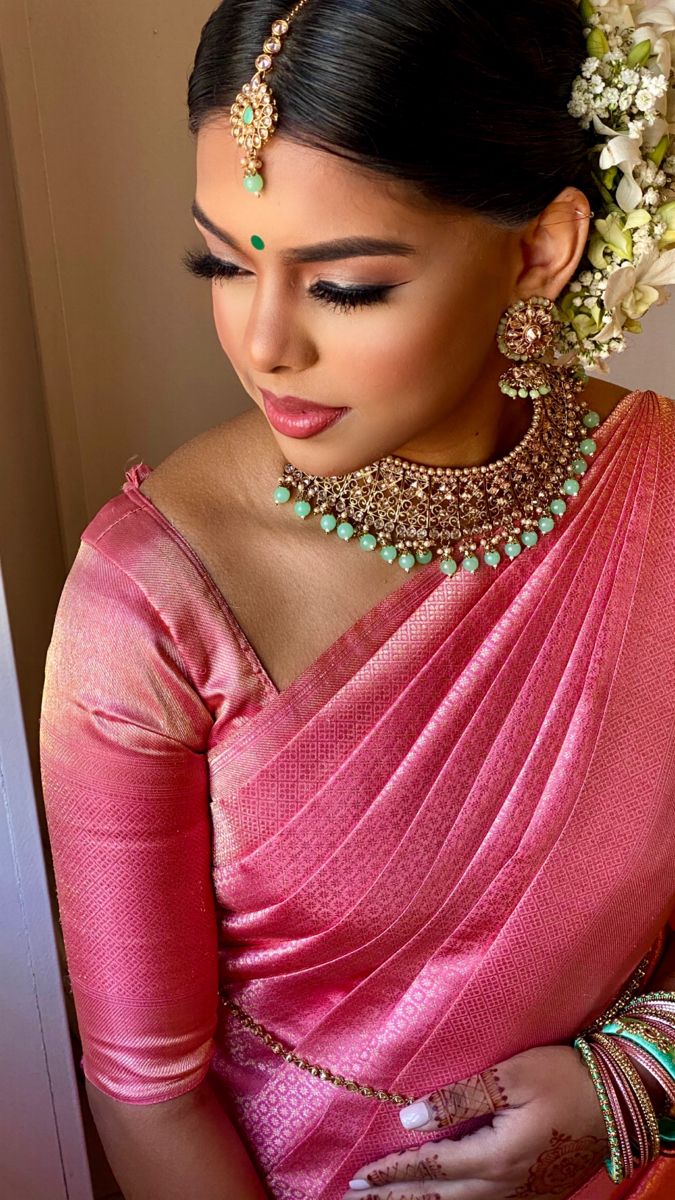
{"x": 413, "y": 513}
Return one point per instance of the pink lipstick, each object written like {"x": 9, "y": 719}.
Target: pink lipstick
{"x": 299, "y": 418}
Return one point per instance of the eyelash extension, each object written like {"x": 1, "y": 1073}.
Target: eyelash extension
{"x": 207, "y": 266}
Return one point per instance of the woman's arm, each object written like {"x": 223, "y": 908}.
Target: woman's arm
{"x": 124, "y": 734}
{"x": 172, "y": 1150}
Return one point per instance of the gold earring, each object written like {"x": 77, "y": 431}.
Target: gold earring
{"x": 529, "y": 331}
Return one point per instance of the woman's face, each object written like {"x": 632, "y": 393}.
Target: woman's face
{"x": 416, "y": 368}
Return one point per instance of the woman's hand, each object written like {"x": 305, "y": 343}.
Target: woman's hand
{"x": 547, "y": 1136}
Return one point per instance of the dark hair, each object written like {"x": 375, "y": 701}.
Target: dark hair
{"x": 464, "y": 102}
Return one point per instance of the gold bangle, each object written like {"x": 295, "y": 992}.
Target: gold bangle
{"x": 652, "y": 996}
{"x": 613, "y": 1165}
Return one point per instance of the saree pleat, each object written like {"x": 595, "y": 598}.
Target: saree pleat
{"x": 443, "y": 844}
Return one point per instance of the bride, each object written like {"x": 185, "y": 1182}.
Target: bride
{"x": 358, "y": 722}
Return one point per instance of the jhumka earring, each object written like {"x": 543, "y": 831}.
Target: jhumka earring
{"x": 527, "y": 332}
{"x": 254, "y": 114}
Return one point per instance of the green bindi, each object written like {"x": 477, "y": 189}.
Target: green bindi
{"x": 257, "y": 242}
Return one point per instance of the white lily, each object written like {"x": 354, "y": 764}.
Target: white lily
{"x": 615, "y": 12}
{"x": 624, "y": 152}
{"x": 632, "y": 290}
{"x": 660, "y": 14}
{"x": 657, "y": 22}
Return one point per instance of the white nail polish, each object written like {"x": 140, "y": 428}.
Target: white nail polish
{"x": 415, "y": 1115}
{"x": 359, "y": 1185}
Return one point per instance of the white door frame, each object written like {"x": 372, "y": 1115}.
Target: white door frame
{"x": 43, "y": 1153}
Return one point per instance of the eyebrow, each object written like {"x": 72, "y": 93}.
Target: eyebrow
{"x": 348, "y": 247}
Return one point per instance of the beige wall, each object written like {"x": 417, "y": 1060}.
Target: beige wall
{"x": 107, "y": 347}
{"x": 105, "y": 166}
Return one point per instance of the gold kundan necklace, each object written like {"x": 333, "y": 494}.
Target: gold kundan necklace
{"x": 415, "y": 513}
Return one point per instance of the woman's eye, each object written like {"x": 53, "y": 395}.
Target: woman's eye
{"x": 207, "y": 266}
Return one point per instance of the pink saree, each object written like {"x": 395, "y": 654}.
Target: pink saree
{"x": 449, "y": 840}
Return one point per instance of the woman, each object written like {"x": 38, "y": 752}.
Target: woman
{"x": 416, "y": 829}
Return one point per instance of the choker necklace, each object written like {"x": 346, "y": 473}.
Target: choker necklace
{"x": 415, "y": 513}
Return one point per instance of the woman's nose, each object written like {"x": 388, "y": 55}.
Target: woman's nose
{"x": 276, "y": 336}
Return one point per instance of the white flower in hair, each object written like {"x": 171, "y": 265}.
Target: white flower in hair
{"x": 632, "y": 290}
{"x": 625, "y": 93}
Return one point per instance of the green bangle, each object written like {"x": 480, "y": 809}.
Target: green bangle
{"x": 642, "y": 996}
{"x": 617, "y": 1028}
{"x": 614, "y": 1164}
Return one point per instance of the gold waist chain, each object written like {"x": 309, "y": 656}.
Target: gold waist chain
{"x": 315, "y": 1069}
{"x": 631, "y": 989}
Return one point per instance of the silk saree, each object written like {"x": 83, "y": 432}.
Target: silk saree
{"x": 450, "y": 839}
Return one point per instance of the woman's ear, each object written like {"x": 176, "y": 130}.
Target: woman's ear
{"x": 552, "y": 245}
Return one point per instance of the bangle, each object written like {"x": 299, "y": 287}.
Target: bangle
{"x": 614, "y": 1164}
{"x": 636, "y": 1028}
{"x": 650, "y": 1040}
{"x": 654, "y": 1068}
{"x": 616, "y": 1090}
{"x": 640, "y": 1093}
{"x": 653, "y": 1032}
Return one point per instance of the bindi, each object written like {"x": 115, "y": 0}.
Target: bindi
{"x": 257, "y": 242}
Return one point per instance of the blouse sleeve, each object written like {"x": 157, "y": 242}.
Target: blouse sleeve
{"x": 123, "y": 738}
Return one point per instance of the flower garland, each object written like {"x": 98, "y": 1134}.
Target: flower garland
{"x": 626, "y": 91}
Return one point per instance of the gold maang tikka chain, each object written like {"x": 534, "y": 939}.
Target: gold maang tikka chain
{"x": 414, "y": 513}
{"x": 254, "y": 114}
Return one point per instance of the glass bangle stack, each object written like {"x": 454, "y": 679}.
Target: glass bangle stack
{"x": 636, "y": 1031}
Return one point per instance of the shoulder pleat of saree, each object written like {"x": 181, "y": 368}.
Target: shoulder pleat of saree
{"x": 451, "y": 838}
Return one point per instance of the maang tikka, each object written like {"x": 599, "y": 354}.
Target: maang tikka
{"x": 254, "y": 114}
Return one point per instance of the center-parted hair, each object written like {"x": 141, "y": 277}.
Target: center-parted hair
{"x": 463, "y": 102}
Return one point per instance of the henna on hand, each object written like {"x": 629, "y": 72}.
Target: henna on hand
{"x": 428, "y": 1167}
{"x": 391, "y": 1196}
{"x": 473, "y": 1097}
{"x": 566, "y": 1165}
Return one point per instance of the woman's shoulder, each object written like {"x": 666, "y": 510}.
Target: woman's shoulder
{"x": 139, "y": 571}
{"x": 198, "y": 487}
{"x": 604, "y": 397}
{"x": 211, "y": 496}
{"x": 210, "y": 475}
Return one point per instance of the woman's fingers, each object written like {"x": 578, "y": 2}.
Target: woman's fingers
{"x": 477, "y": 1096}
{"x": 474, "y": 1190}
{"x": 445, "y": 1161}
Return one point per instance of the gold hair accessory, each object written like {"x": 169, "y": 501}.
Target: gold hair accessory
{"x": 254, "y": 114}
